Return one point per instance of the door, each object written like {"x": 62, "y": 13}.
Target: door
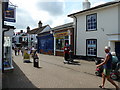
{"x": 117, "y": 49}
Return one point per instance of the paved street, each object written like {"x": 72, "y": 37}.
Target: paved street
{"x": 54, "y": 74}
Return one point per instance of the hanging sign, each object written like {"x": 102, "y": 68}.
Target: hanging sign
{"x": 9, "y": 14}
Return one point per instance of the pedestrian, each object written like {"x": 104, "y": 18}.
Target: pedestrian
{"x": 107, "y": 64}
{"x": 115, "y": 61}
{"x": 66, "y": 52}
{"x": 18, "y": 50}
{"x": 32, "y": 49}
{"x": 15, "y": 49}
{"x": 22, "y": 50}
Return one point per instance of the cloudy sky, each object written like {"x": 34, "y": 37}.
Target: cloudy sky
{"x": 51, "y": 12}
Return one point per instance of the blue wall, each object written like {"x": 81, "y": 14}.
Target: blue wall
{"x": 46, "y": 43}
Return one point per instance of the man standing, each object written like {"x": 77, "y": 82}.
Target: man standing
{"x": 107, "y": 64}
{"x": 66, "y": 52}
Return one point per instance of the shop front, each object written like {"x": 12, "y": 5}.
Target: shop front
{"x": 7, "y": 53}
{"x": 46, "y": 44}
{"x": 63, "y": 37}
{"x": 7, "y": 48}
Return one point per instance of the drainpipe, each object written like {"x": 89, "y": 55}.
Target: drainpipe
{"x": 75, "y": 35}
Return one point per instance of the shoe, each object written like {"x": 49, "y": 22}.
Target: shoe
{"x": 101, "y": 87}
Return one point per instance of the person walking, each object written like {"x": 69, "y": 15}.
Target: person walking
{"x": 107, "y": 64}
{"x": 18, "y": 50}
{"x": 15, "y": 49}
{"x": 22, "y": 50}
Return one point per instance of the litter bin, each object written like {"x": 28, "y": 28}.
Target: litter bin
{"x": 36, "y": 62}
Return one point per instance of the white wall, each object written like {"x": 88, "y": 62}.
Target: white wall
{"x": 107, "y": 23}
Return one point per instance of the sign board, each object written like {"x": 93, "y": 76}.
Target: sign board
{"x": 9, "y": 14}
{"x": 61, "y": 34}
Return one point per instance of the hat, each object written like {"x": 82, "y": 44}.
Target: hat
{"x": 34, "y": 49}
{"x": 107, "y": 47}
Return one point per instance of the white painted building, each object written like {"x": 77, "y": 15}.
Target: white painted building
{"x": 96, "y": 28}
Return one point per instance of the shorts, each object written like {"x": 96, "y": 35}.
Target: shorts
{"x": 106, "y": 72}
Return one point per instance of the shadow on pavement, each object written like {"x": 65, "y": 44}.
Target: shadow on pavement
{"x": 16, "y": 79}
{"x": 72, "y": 63}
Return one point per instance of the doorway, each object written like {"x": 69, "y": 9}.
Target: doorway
{"x": 117, "y": 49}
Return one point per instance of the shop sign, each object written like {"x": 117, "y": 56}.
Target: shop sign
{"x": 9, "y": 14}
{"x": 61, "y": 34}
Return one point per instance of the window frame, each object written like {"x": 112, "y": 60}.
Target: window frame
{"x": 87, "y": 22}
{"x": 95, "y": 55}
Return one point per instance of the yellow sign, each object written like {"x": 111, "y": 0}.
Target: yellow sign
{"x": 61, "y": 34}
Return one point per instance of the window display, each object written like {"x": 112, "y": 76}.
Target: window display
{"x": 7, "y": 52}
{"x": 60, "y": 42}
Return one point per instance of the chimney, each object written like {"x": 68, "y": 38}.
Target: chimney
{"x": 86, "y": 4}
{"x": 28, "y": 28}
{"x": 39, "y": 24}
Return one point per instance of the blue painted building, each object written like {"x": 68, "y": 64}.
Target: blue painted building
{"x": 45, "y": 43}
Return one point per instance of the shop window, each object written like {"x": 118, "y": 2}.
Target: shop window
{"x": 7, "y": 52}
{"x": 91, "y": 47}
{"x": 61, "y": 41}
{"x": 91, "y": 22}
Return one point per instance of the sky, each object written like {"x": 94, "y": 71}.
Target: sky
{"x": 49, "y": 12}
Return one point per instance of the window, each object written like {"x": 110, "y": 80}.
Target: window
{"x": 91, "y": 22}
{"x": 91, "y": 47}
{"x": 60, "y": 42}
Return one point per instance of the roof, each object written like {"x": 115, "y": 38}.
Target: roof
{"x": 68, "y": 25}
{"x": 62, "y": 26}
{"x": 37, "y": 30}
{"x": 96, "y": 7}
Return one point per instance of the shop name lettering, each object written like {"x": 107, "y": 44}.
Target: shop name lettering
{"x": 61, "y": 34}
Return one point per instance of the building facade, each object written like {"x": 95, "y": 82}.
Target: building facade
{"x": 20, "y": 39}
{"x": 8, "y": 15}
{"x": 45, "y": 43}
{"x": 32, "y": 34}
{"x": 63, "y": 34}
{"x": 96, "y": 28}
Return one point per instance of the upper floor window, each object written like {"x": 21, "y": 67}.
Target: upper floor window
{"x": 91, "y": 22}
